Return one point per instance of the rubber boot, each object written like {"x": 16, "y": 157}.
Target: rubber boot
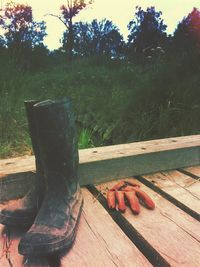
{"x": 55, "y": 226}
{"x": 22, "y": 212}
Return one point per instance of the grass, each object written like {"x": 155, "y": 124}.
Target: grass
{"x": 114, "y": 101}
{"x": 85, "y": 139}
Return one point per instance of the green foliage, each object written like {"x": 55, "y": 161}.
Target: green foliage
{"x": 186, "y": 36}
{"x": 85, "y": 139}
{"x": 22, "y": 36}
{"x": 96, "y": 38}
{"x": 20, "y": 30}
{"x": 147, "y": 31}
{"x": 115, "y": 101}
{"x": 68, "y": 12}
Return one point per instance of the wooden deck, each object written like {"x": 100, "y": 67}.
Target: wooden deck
{"x": 166, "y": 236}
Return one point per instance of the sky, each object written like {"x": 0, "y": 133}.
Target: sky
{"x": 121, "y": 12}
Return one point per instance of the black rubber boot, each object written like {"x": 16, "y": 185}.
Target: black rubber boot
{"x": 22, "y": 212}
{"x": 55, "y": 226}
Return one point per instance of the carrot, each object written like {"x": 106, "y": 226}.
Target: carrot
{"x": 133, "y": 201}
{"x": 129, "y": 188}
{"x": 111, "y": 199}
{"x": 145, "y": 198}
{"x": 119, "y": 185}
{"x": 120, "y": 199}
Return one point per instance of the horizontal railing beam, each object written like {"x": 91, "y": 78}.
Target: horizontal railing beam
{"x": 101, "y": 164}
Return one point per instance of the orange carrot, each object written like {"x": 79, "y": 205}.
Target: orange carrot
{"x": 120, "y": 199}
{"x": 119, "y": 185}
{"x": 145, "y": 198}
{"x": 111, "y": 199}
{"x": 133, "y": 201}
{"x": 129, "y": 188}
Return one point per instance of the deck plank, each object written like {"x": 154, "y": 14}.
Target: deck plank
{"x": 193, "y": 170}
{"x": 99, "y": 242}
{"x": 180, "y": 186}
{"x": 168, "y": 229}
{"x": 15, "y": 258}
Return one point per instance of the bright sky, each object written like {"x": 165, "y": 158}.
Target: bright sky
{"x": 119, "y": 11}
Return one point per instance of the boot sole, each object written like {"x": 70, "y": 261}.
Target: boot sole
{"x": 59, "y": 247}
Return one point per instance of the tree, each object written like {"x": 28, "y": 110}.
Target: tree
{"x": 20, "y": 30}
{"x": 184, "y": 49}
{"x": 21, "y": 33}
{"x": 147, "y": 31}
{"x": 187, "y": 34}
{"x": 96, "y": 38}
{"x": 68, "y": 13}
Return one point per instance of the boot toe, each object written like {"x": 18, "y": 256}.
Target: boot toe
{"x": 42, "y": 239}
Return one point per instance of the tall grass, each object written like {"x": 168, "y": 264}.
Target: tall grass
{"x": 85, "y": 139}
{"x": 114, "y": 101}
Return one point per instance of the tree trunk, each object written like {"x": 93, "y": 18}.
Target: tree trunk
{"x": 70, "y": 40}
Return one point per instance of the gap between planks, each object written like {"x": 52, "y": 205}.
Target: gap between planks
{"x": 142, "y": 244}
{"x": 168, "y": 229}
{"x": 165, "y": 214}
{"x": 181, "y": 189}
{"x": 100, "y": 242}
{"x": 193, "y": 171}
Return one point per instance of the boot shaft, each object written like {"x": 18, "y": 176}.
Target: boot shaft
{"x": 33, "y": 132}
{"x": 39, "y": 178}
{"x": 57, "y": 139}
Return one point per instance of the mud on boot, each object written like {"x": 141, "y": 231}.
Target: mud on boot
{"x": 54, "y": 228}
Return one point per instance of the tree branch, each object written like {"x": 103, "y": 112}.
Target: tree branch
{"x": 58, "y": 17}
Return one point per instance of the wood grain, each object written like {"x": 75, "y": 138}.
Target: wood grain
{"x": 180, "y": 186}
{"x": 12, "y": 252}
{"x": 102, "y": 164}
{"x": 99, "y": 242}
{"x": 194, "y": 170}
{"x": 172, "y": 232}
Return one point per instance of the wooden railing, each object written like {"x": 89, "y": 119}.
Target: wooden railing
{"x": 101, "y": 164}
